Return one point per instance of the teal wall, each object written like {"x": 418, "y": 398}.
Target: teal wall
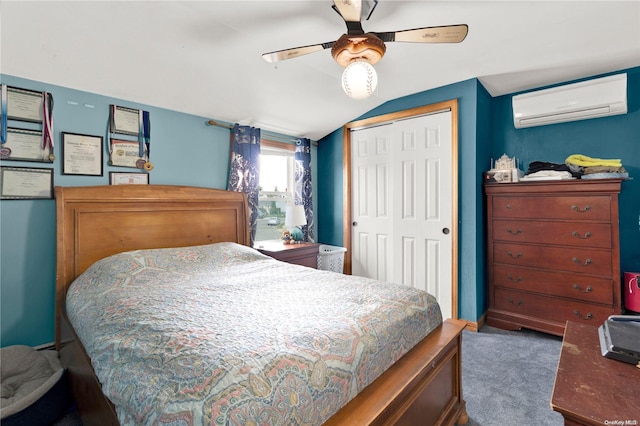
{"x": 608, "y": 137}
{"x": 184, "y": 151}
{"x": 486, "y": 131}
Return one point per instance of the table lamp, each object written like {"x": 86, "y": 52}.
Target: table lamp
{"x": 294, "y": 218}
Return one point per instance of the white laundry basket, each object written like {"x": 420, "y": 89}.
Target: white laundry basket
{"x": 331, "y": 258}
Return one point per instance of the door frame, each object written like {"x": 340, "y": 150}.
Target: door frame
{"x": 451, "y": 105}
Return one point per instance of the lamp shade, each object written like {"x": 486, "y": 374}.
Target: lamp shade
{"x": 295, "y": 216}
{"x": 359, "y": 79}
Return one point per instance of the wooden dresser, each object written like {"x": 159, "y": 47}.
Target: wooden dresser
{"x": 553, "y": 253}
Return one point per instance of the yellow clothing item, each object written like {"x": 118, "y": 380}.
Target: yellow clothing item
{"x": 584, "y": 161}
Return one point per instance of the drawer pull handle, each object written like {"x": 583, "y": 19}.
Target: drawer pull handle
{"x": 579, "y": 210}
{"x": 587, "y": 290}
{"x": 508, "y": 205}
{"x": 518, "y": 303}
{"x": 516, "y": 256}
{"x": 581, "y": 263}
{"x": 586, "y": 235}
{"x": 516, "y": 232}
{"x": 515, "y": 280}
{"x": 586, "y": 317}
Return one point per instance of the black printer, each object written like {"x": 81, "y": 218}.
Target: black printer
{"x": 620, "y": 338}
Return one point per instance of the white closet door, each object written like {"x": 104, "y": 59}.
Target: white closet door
{"x": 402, "y": 197}
{"x": 372, "y": 203}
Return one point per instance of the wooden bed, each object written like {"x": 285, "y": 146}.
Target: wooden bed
{"x": 423, "y": 388}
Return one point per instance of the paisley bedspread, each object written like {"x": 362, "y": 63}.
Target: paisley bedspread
{"x": 223, "y": 335}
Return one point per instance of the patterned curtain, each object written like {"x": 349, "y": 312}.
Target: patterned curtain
{"x": 303, "y": 185}
{"x": 243, "y": 171}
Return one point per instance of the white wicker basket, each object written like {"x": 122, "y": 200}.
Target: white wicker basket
{"x": 331, "y": 258}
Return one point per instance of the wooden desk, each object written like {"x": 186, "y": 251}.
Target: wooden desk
{"x": 305, "y": 254}
{"x": 591, "y": 389}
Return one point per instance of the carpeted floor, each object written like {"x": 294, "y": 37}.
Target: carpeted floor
{"x": 507, "y": 378}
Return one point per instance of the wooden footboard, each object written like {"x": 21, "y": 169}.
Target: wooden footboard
{"x": 423, "y": 388}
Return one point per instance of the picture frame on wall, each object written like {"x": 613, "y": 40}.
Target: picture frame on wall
{"x": 24, "y": 105}
{"x": 24, "y": 183}
{"x": 125, "y": 120}
{"x": 25, "y": 145}
{"x": 125, "y": 178}
{"x": 124, "y": 153}
{"x": 82, "y": 154}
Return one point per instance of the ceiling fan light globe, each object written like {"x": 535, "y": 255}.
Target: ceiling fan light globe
{"x": 359, "y": 79}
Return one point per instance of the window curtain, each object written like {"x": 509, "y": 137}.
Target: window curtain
{"x": 303, "y": 194}
{"x": 244, "y": 171}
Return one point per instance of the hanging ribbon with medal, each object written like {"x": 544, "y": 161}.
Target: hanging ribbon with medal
{"x": 126, "y": 152}
{"x": 47, "y": 124}
{"x": 25, "y": 142}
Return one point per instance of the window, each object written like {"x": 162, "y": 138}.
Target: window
{"x": 277, "y": 182}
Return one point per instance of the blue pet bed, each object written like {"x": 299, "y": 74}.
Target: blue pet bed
{"x": 34, "y": 387}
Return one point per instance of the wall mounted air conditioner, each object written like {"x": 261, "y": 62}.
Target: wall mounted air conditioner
{"x": 599, "y": 97}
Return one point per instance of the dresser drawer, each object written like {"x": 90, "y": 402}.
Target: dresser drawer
{"x": 576, "y": 286}
{"x": 545, "y": 207}
{"x": 580, "y": 234}
{"x": 571, "y": 259}
{"x": 550, "y": 308}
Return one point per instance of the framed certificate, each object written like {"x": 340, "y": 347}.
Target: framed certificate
{"x": 81, "y": 154}
{"x": 21, "y": 183}
{"x": 125, "y": 120}
{"x": 25, "y": 105}
{"x": 126, "y": 154}
{"x": 25, "y": 145}
{"x": 123, "y": 178}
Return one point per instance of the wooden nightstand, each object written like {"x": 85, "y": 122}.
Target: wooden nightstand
{"x": 305, "y": 254}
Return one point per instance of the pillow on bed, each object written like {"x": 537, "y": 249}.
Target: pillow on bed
{"x": 196, "y": 259}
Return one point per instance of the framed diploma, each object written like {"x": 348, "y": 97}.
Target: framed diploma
{"x": 23, "y": 183}
{"x": 25, "y": 145}
{"x": 81, "y": 154}
{"x": 122, "y": 178}
{"x": 126, "y": 154}
{"x": 125, "y": 120}
{"x": 24, "y": 105}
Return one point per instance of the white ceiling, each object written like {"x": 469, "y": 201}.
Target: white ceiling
{"x": 204, "y": 57}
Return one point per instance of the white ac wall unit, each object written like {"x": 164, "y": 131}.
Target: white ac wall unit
{"x": 599, "y": 97}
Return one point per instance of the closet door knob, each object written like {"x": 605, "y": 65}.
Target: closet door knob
{"x": 445, "y": 231}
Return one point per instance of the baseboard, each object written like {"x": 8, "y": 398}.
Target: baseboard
{"x": 475, "y": 326}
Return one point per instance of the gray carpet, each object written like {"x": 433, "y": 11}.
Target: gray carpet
{"x": 508, "y": 376}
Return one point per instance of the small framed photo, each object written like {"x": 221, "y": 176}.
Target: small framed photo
{"x": 123, "y": 178}
{"x": 81, "y": 154}
{"x": 24, "y": 183}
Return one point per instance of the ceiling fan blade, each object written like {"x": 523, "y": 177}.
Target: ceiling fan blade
{"x": 281, "y": 55}
{"x": 366, "y": 9}
{"x": 350, "y": 10}
{"x": 443, "y": 34}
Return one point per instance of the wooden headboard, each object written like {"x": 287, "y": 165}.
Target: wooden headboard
{"x": 94, "y": 222}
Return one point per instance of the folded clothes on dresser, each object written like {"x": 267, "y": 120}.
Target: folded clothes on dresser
{"x": 596, "y": 168}
{"x": 548, "y": 175}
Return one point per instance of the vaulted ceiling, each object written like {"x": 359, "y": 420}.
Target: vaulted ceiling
{"x": 204, "y": 57}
